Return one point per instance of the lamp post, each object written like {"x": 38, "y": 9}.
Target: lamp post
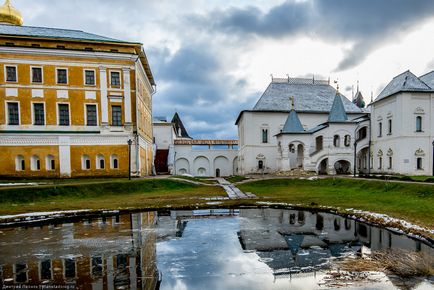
{"x": 130, "y": 142}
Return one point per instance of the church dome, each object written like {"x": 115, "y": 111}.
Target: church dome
{"x": 10, "y": 15}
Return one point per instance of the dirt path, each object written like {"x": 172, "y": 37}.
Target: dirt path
{"x": 232, "y": 191}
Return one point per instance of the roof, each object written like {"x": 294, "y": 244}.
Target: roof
{"x": 359, "y": 101}
{"x": 55, "y": 33}
{"x": 292, "y": 124}
{"x": 337, "y": 113}
{"x": 405, "y": 82}
{"x": 310, "y": 96}
{"x": 428, "y": 79}
{"x": 179, "y": 127}
{"x": 205, "y": 142}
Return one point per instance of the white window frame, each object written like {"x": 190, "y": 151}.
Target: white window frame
{"x": 15, "y": 272}
{"x": 58, "y": 116}
{"x": 85, "y": 115}
{"x": 112, "y": 160}
{"x": 33, "y": 163}
{"x": 32, "y": 109}
{"x": 98, "y": 159}
{"x": 48, "y": 162}
{"x": 84, "y": 77}
{"x": 67, "y": 76}
{"x": 120, "y": 78}
{"x": 85, "y": 157}
{"x": 64, "y": 268}
{"x": 6, "y": 75}
{"x": 40, "y": 269}
{"x": 7, "y": 113}
{"x": 18, "y": 166}
{"x": 42, "y": 74}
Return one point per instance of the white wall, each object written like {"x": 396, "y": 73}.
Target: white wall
{"x": 164, "y": 135}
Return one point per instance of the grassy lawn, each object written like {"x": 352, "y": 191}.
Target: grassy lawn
{"x": 207, "y": 180}
{"x": 118, "y": 194}
{"x": 411, "y": 202}
{"x": 236, "y": 178}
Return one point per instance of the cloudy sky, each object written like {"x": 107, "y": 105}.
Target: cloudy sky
{"x": 212, "y": 59}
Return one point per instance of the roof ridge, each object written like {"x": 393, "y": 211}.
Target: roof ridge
{"x": 432, "y": 71}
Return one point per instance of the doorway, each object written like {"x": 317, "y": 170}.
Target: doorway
{"x": 217, "y": 172}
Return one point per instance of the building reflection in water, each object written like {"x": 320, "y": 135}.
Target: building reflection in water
{"x": 110, "y": 252}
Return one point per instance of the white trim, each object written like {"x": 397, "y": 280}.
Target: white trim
{"x": 7, "y": 113}
{"x": 62, "y": 94}
{"x": 53, "y": 140}
{"x": 31, "y": 74}
{"x": 15, "y": 272}
{"x": 115, "y": 99}
{"x": 83, "y": 158}
{"x": 112, "y": 159}
{"x": 40, "y": 269}
{"x": 104, "y": 100}
{"x": 6, "y": 76}
{"x": 64, "y": 155}
{"x": 34, "y": 162}
{"x": 48, "y": 162}
{"x": 57, "y": 114}
{"x": 120, "y": 79}
{"x": 64, "y": 269}
{"x": 127, "y": 95}
{"x": 98, "y": 159}
{"x": 84, "y": 77}
{"x": 85, "y": 114}
{"x": 32, "y": 110}
{"x": 37, "y": 93}
{"x": 67, "y": 76}
{"x": 90, "y": 95}
{"x": 11, "y": 92}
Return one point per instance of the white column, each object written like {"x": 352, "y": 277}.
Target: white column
{"x": 104, "y": 99}
{"x": 133, "y": 273}
{"x": 127, "y": 96}
{"x": 65, "y": 156}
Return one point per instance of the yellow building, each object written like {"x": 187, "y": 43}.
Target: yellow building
{"x": 70, "y": 101}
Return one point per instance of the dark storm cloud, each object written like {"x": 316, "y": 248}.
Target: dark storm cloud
{"x": 367, "y": 24}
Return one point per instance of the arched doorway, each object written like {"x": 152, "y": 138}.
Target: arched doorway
{"x": 322, "y": 168}
{"x": 342, "y": 167}
{"x": 217, "y": 172}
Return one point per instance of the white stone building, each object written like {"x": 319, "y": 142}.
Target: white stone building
{"x": 403, "y": 126}
{"x": 321, "y": 132}
{"x": 177, "y": 153}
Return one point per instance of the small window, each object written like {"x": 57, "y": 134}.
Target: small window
{"x": 336, "y": 141}
{"x": 264, "y": 135}
{"x": 419, "y": 163}
{"x": 36, "y": 75}
{"x": 114, "y": 162}
{"x": 91, "y": 117}
{"x": 390, "y": 162}
{"x": 35, "y": 164}
{"x": 418, "y": 124}
{"x": 100, "y": 162}
{"x": 380, "y": 162}
{"x": 380, "y": 129}
{"x": 115, "y": 79}
{"x": 50, "y": 163}
{"x": 62, "y": 76}
{"x": 260, "y": 164}
{"x": 46, "y": 270}
{"x": 13, "y": 114}
{"x": 362, "y": 133}
{"x": 89, "y": 77}
{"x": 21, "y": 272}
{"x": 63, "y": 114}
{"x": 347, "y": 140}
{"x": 11, "y": 73}
{"x": 38, "y": 114}
{"x": 85, "y": 162}
{"x": 69, "y": 268}
{"x": 116, "y": 116}
{"x": 389, "y": 122}
{"x": 20, "y": 164}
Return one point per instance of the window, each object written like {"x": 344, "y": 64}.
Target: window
{"x": 13, "y": 114}
{"x": 63, "y": 114}
{"x": 20, "y": 164}
{"x": 46, "y": 270}
{"x": 319, "y": 143}
{"x": 69, "y": 268}
{"x": 347, "y": 140}
{"x": 116, "y": 116}
{"x": 380, "y": 162}
{"x": 36, "y": 75}
{"x": 38, "y": 114}
{"x": 89, "y": 76}
{"x": 390, "y": 162}
{"x": 62, "y": 76}
{"x": 336, "y": 141}
{"x": 114, "y": 162}
{"x": 91, "y": 118}
{"x": 115, "y": 79}
{"x": 85, "y": 162}
{"x": 418, "y": 124}
{"x": 97, "y": 270}
{"x": 260, "y": 164}
{"x": 419, "y": 163}
{"x": 21, "y": 271}
{"x": 380, "y": 129}
{"x": 11, "y": 73}
{"x": 50, "y": 163}
{"x": 35, "y": 164}
{"x": 100, "y": 162}
{"x": 389, "y": 131}
{"x": 264, "y": 135}
{"x": 362, "y": 133}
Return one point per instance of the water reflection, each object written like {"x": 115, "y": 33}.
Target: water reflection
{"x": 218, "y": 249}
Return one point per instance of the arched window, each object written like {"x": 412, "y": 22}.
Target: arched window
{"x": 35, "y": 163}
{"x": 50, "y": 163}
{"x": 336, "y": 141}
{"x": 264, "y": 135}
{"x": 114, "y": 161}
{"x": 419, "y": 163}
{"x": 20, "y": 164}
{"x": 260, "y": 164}
{"x": 380, "y": 162}
{"x": 100, "y": 162}
{"x": 389, "y": 122}
{"x": 418, "y": 124}
{"x": 380, "y": 129}
{"x": 85, "y": 162}
{"x": 347, "y": 140}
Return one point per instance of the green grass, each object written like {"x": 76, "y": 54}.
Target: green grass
{"x": 109, "y": 195}
{"x": 411, "y": 202}
{"x": 203, "y": 179}
{"x": 236, "y": 178}
{"x": 428, "y": 179}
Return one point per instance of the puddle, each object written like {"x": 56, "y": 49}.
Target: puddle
{"x": 216, "y": 249}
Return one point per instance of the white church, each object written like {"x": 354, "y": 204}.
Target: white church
{"x": 307, "y": 125}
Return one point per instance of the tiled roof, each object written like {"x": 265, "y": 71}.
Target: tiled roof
{"x": 293, "y": 124}
{"x": 310, "y": 96}
{"x": 337, "y": 113}
{"x": 55, "y": 33}
{"x": 428, "y": 79}
{"x": 405, "y": 82}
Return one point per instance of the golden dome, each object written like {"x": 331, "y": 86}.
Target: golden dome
{"x": 10, "y": 15}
